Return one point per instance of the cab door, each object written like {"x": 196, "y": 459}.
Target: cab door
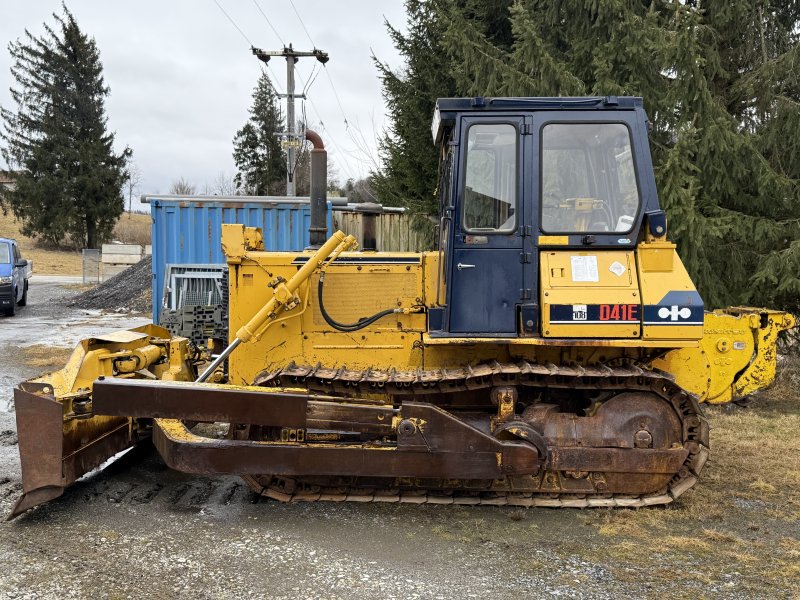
{"x": 486, "y": 270}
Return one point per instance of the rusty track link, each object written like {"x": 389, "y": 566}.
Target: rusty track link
{"x": 486, "y": 375}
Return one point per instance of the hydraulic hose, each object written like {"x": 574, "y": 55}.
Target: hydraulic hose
{"x": 336, "y": 244}
{"x": 349, "y": 327}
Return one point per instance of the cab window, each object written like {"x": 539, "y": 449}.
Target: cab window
{"x": 588, "y": 178}
{"x": 490, "y": 181}
{"x": 5, "y": 255}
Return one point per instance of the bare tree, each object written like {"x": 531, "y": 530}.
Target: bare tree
{"x": 359, "y": 190}
{"x": 224, "y": 185}
{"x": 334, "y": 184}
{"x": 134, "y": 180}
{"x": 181, "y": 187}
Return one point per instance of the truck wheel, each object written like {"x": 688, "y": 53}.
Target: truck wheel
{"x": 24, "y": 300}
{"x": 10, "y": 310}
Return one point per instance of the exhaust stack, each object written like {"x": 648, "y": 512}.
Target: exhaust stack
{"x": 318, "y": 231}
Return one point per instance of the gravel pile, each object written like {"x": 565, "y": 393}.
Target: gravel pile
{"x": 129, "y": 291}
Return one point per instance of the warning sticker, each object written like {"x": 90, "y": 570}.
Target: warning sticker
{"x": 617, "y": 268}
{"x": 584, "y": 268}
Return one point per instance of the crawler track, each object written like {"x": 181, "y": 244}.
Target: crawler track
{"x": 557, "y": 489}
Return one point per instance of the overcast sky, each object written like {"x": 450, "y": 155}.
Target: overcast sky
{"x": 181, "y": 75}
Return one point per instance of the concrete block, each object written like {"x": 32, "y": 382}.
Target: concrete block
{"x": 122, "y": 249}
{"x": 120, "y": 259}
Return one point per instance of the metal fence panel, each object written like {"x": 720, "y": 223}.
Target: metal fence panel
{"x": 91, "y": 265}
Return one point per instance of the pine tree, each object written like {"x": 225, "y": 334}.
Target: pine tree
{"x": 70, "y": 179}
{"x": 720, "y": 84}
{"x": 257, "y": 152}
{"x": 409, "y": 159}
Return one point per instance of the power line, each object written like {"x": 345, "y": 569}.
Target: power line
{"x": 299, "y": 18}
{"x": 359, "y": 144}
{"x": 263, "y": 14}
{"x": 273, "y": 80}
{"x": 332, "y": 139}
{"x": 311, "y": 79}
{"x": 224, "y": 12}
{"x": 307, "y": 85}
{"x": 336, "y": 95}
{"x": 239, "y": 29}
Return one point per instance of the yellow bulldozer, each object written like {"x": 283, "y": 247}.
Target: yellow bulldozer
{"x": 552, "y": 351}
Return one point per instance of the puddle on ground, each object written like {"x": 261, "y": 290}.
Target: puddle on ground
{"x": 47, "y": 322}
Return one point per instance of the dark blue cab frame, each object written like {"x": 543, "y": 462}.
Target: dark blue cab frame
{"x": 490, "y": 281}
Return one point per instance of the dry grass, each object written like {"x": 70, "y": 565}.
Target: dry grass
{"x": 132, "y": 228}
{"x": 45, "y": 261}
{"x": 735, "y": 534}
{"x": 751, "y": 484}
{"x": 39, "y": 355}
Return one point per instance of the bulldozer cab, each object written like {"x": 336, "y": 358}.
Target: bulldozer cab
{"x": 520, "y": 176}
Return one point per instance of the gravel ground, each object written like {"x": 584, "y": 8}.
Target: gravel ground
{"x": 139, "y": 529}
{"x": 129, "y": 291}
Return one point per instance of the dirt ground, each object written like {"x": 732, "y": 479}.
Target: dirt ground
{"x": 132, "y": 228}
{"x": 138, "y": 528}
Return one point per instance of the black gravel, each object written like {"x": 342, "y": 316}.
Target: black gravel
{"x": 128, "y": 291}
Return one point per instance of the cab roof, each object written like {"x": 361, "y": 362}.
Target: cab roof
{"x": 444, "y": 114}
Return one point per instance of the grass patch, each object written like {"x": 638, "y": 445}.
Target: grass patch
{"x": 759, "y": 485}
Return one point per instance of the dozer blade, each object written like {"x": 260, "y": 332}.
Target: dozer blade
{"x": 61, "y": 438}
{"x": 57, "y": 449}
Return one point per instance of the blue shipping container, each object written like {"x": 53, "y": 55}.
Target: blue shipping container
{"x": 188, "y": 229}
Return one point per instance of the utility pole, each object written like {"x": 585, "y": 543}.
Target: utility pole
{"x": 292, "y": 139}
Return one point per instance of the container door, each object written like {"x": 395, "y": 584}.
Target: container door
{"x": 486, "y": 283}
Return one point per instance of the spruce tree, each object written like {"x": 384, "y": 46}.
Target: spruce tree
{"x": 257, "y": 152}
{"x": 409, "y": 159}
{"x": 720, "y": 84}
{"x": 69, "y": 179}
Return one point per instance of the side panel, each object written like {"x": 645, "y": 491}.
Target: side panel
{"x": 357, "y": 285}
{"x": 590, "y": 294}
{"x": 488, "y": 289}
{"x": 672, "y": 308}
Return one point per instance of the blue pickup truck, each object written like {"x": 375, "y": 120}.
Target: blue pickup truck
{"x": 14, "y": 274}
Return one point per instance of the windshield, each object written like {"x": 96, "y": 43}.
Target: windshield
{"x": 588, "y": 178}
{"x": 5, "y": 253}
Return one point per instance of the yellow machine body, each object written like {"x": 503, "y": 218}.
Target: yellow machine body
{"x": 736, "y": 348}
